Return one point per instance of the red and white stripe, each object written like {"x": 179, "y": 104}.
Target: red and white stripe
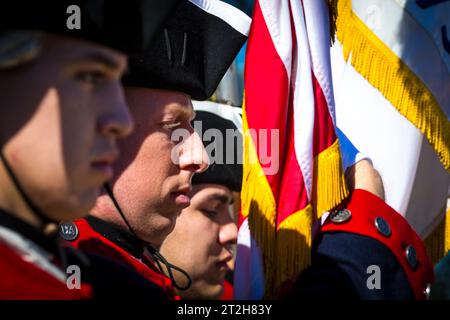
{"x": 288, "y": 65}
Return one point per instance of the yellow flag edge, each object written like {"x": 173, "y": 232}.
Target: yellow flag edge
{"x": 329, "y": 187}
{"x": 393, "y": 79}
{"x": 438, "y": 242}
{"x": 258, "y": 204}
{"x": 287, "y": 251}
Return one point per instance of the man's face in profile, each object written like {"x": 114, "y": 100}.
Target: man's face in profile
{"x": 62, "y": 114}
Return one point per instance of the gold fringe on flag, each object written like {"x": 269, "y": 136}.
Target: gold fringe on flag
{"x": 286, "y": 250}
{"x": 329, "y": 187}
{"x": 447, "y": 231}
{"x": 258, "y": 203}
{"x": 293, "y": 247}
{"x": 438, "y": 242}
{"x": 386, "y": 72}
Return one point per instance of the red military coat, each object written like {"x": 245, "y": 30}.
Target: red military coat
{"x": 29, "y": 265}
{"x": 109, "y": 243}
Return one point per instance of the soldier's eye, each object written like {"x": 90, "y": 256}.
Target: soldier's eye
{"x": 91, "y": 77}
{"x": 171, "y": 125}
{"x": 209, "y": 213}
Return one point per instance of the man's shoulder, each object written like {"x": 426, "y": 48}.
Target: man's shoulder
{"x": 369, "y": 251}
{"x": 22, "y": 279}
{"x": 88, "y": 240}
{"x": 112, "y": 279}
{"x": 111, "y": 265}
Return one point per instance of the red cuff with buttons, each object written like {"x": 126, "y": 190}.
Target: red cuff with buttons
{"x": 367, "y": 215}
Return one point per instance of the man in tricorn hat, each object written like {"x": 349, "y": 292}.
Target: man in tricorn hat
{"x": 63, "y": 109}
{"x": 186, "y": 60}
{"x": 206, "y": 231}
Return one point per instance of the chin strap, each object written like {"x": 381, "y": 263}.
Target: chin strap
{"x": 169, "y": 267}
{"x": 157, "y": 256}
{"x": 34, "y": 209}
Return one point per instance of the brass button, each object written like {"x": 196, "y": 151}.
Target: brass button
{"x": 383, "y": 227}
{"x": 68, "y": 231}
{"x": 411, "y": 256}
{"x": 340, "y": 216}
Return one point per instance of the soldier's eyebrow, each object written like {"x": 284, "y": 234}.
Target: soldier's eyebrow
{"x": 102, "y": 58}
{"x": 182, "y": 111}
{"x": 221, "y": 198}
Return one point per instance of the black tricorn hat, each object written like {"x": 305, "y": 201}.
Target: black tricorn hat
{"x": 197, "y": 43}
{"x": 128, "y": 26}
{"x": 225, "y": 168}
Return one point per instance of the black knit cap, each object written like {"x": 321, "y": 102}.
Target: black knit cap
{"x": 229, "y": 172}
{"x": 198, "y": 42}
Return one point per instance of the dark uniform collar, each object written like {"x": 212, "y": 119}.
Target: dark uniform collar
{"x": 48, "y": 243}
{"x": 123, "y": 238}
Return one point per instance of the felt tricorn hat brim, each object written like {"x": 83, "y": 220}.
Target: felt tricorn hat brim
{"x": 128, "y": 26}
{"x": 226, "y": 168}
{"x": 198, "y": 42}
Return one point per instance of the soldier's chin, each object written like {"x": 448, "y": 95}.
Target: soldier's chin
{"x": 214, "y": 292}
{"x": 203, "y": 291}
{"x": 68, "y": 214}
{"x": 163, "y": 230}
{"x": 170, "y": 214}
{"x": 80, "y": 205}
